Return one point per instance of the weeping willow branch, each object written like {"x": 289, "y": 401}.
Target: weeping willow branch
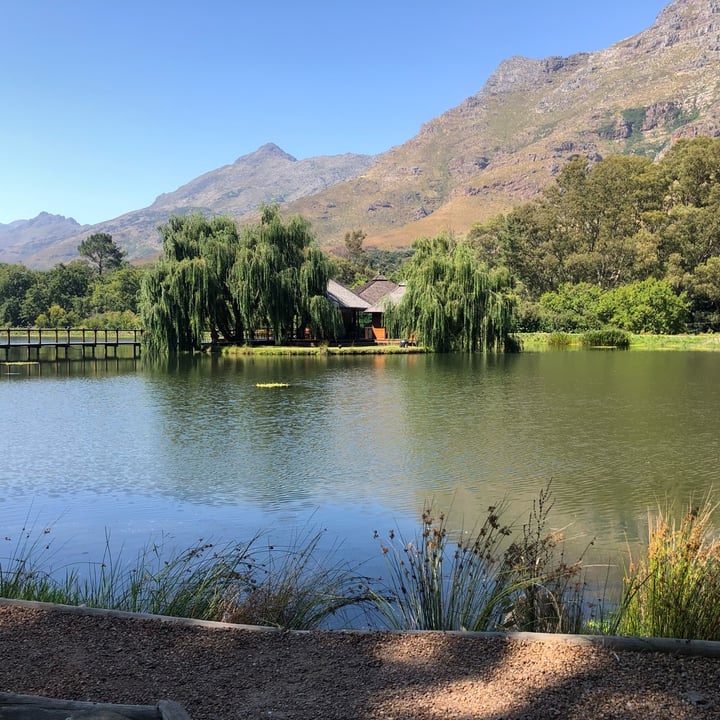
{"x": 453, "y": 302}
{"x": 212, "y": 279}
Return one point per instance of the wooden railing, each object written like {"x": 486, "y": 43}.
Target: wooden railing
{"x": 58, "y": 343}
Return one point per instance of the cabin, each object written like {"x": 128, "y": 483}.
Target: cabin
{"x": 363, "y": 309}
{"x": 374, "y": 292}
{"x": 377, "y": 311}
{"x": 351, "y": 306}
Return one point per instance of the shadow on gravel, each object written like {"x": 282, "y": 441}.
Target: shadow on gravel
{"x": 230, "y": 673}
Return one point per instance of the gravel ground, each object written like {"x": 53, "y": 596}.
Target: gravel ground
{"x": 234, "y": 673}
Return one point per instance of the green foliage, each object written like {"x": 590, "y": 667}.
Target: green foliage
{"x": 102, "y": 252}
{"x": 649, "y": 306}
{"x": 65, "y": 294}
{"x": 295, "y": 588}
{"x": 571, "y": 308}
{"x": 388, "y": 262}
{"x": 15, "y": 281}
{"x": 118, "y": 291}
{"x": 447, "y": 581}
{"x": 56, "y": 317}
{"x": 211, "y": 278}
{"x": 113, "y": 320}
{"x": 614, "y": 222}
{"x": 476, "y": 580}
{"x": 559, "y": 340}
{"x": 279, "y": 279}
{"x": 452, "y": 301}
{"x": 634, "y": 119}
{"x": 607, "y": 337}
{"x": 288, "y": 587}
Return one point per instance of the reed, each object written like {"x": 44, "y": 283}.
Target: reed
{"x": 296, "y": 587}
{"x": 551, "y": 590}
{"x": 445, "y": 581}
{"x": 560, "y": 340}
{"x": 479, "y": 580}
{"x": 289, "y": 587}
{"x": 672, "y": 590}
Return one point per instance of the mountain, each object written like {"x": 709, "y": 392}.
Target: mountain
{"x": 21, "y": 238}
{"x": 267, "y": 175}
{"x": 501, "y": 146}
{"x": 498, "y": 148}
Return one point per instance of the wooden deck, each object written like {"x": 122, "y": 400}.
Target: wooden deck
{"x": 54, "y": 344}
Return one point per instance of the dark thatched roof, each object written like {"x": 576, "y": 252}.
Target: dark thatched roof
{"x": 376, "y": 289}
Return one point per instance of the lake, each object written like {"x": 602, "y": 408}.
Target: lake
{"x": 354, "y": 444}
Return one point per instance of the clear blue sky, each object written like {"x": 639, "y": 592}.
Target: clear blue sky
{"x": 105, "y": 104}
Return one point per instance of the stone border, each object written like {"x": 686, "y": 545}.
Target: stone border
{"x": 698, "y": 648}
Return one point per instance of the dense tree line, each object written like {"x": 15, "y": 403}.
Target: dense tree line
{"x": 621, "y": 222}
{"x": 99, "y": 290}
{"x": 623, "y": 241}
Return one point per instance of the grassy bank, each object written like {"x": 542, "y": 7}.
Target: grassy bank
{"x": 531, "y": 342}
{"x": 534, "y": 342}
{"x": 319, "y": 350}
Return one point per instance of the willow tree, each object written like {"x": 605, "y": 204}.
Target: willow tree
{"x": 279, "y": 279}
{"x": 186, "y": 294}
{"x": 452, "y": 301}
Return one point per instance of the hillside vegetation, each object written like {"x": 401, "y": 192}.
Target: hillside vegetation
{"x": 623, "y": 241}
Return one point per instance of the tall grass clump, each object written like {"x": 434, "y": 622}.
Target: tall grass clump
{"x": 443, "y": 580}
{"x": 291, "y": 587}
{"x": 23, "y": 568}
{"x": 478, "y": 581}
{"x": 296, "y": 587}
{"x": 559, "y": 340}
{"x": 608, "y": 337}
{"x": 672, "y": 590}
{"x": 191, "y": 583}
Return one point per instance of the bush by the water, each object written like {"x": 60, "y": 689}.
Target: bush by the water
{"x": 559, "y": 340}
{"x": 672, "y": 589}
{"x": 480, "y": 580}
{"x": 609, "y": 337}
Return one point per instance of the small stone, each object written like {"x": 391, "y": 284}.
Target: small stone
{"x": 695, "y": 698}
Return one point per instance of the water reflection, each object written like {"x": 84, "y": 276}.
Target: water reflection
{"x": 358, "y": 443}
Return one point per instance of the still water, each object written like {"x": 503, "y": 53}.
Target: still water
{"x": 353, "y": 445}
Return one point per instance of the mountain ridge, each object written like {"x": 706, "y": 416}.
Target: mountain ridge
{"x": 496, "y": 149}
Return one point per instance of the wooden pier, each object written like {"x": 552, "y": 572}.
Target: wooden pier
{"x": 54, "y": 344}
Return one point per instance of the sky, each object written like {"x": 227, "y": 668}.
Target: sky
{"x": 105, "y": 104}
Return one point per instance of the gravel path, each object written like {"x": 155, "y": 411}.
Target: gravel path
{"x": 230, "y": 673}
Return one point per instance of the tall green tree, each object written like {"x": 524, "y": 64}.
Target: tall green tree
{"x": 453, "y": 301}
{"x": 102, "y": 252}
{"x": 280, "y": 277}
{"x": 187, "y": 293}
{"x": 118, "y": 291}
{"x": 352, "y": 267}
{"x": 15, "y": 282}
{"x": 211, "y": 278}
{"x": 648, "y": 306}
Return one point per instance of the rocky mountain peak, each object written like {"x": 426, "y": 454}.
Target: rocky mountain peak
{"x": 685, "y": 21}
{"x": 266, "y": 152}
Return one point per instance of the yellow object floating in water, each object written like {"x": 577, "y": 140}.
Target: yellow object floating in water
{"x": 272, "y": 385}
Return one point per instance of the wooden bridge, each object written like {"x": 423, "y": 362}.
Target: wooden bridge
{"x": 53, "y": 344}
